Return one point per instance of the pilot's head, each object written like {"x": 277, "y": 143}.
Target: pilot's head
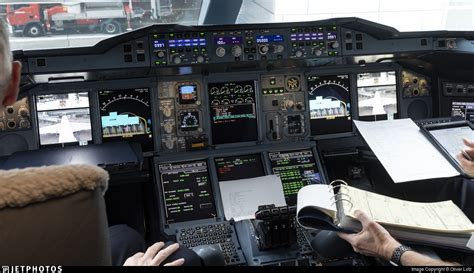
{"x": 9, "y": 71}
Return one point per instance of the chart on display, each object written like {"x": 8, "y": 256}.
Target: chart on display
{"x": 296, "y": 169}
{"x": 233, "y": 112}
{"x": 377, "y": 96}
{"x": 125, "y": 115}
{"x": 239, "y": 167}
{"x": 329, "y": 104}
{"x": 463, "y": 109}
{"x": 187, "y": 191}
{"x": 64, "y": 119}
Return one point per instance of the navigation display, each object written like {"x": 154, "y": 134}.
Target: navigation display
{"x": 233, "y": 112}
{"x": 125, "y": 115}
{"x": 463, "y": 109}
{"x": 329, "y": 104}
{"x": 64, "y": 119}
{"x": 377, "y": 96}
{"x": 296, "y": 169}
{"x": 239, "y": 167}
{"x": 187, "y": 191}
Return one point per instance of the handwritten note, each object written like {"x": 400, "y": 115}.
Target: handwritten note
{"x": 241, "y": 198}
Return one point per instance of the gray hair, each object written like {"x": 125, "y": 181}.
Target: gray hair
{"x": 5, "y": 55}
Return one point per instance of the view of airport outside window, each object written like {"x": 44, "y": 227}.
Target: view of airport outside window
{"x": 41, "y": 24}
{"x": 403, "y": 15}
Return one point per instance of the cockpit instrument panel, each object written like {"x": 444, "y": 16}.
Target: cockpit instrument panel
{"x": 233, "y": 112}
{"x": 64, "y": 119}
{"x": 16, "y": 116}
{"x": 126, "y": 115}
{"x": 187, "y": 191}
{"x": 283, "y": 106}
{"x": 181, "y": 116}
{"x": 377, "y": 96}
{"x": 296, "y": 169}
{"x": 239, "y": 167}
{"x": 329, "y": 104}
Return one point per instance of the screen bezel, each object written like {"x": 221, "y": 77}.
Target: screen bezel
{"x": 68, "y": 144}
{"x": 222, "y": 80}
{"x": 351, "y": 110}
{"x": 162, "y": 197}
{"x": 116, "y": 139}
{"x": 397, "y": 79}
{"x": 426, "y": 130}
{"x": 462, "y": 100}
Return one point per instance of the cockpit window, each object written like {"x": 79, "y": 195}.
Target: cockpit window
{"x": 403, "y": 15}
{"x": 75, "y": 23}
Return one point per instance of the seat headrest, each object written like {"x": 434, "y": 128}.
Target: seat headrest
{"x": 22, "y": 187}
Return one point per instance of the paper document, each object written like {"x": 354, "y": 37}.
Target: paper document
{"x": 443, "y": 215}
{"x": 241, "y": 198}
{"x": 404, "y": 151}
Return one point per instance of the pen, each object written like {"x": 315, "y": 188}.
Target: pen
{"x": 466, "y": 155}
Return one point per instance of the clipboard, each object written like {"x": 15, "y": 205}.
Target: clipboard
{"x": 448, "y": 139}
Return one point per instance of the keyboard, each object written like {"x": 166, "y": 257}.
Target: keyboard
{"x": 301, "y": 239}
{"x": 221, "y": 234}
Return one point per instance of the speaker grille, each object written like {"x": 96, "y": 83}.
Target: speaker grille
{"x": 15, "y": 142}
{"x": 418, "y": 109}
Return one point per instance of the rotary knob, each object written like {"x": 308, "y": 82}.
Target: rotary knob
{"x": 168, "y": 127}
{"x": 167, "y": 111}
{"x": 263, "y": 50}
{"x": 24, "y": 124}
{"x": 406, "y": 83}
{"x": 160, "y": 54}
{"x": 278, "y": 48}
{"x": 176, "y": 59}
{"x": 236, "y": 51}
{"x": 299, "y": 53}
{"x": 334, "y": 45}
{"x": 169, "y": 143}
{"x": 23, "y": 112}
{"x": 220, "y": 52}
{"x": 317, "y": 51}
{"x": 11, "y": 124}
{"x": 200, "y": 59}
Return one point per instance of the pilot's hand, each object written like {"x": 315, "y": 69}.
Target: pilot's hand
{"x": 154, "y": 256}
{"x": 466, "y": 164}
{"x": 372, "y": 240}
